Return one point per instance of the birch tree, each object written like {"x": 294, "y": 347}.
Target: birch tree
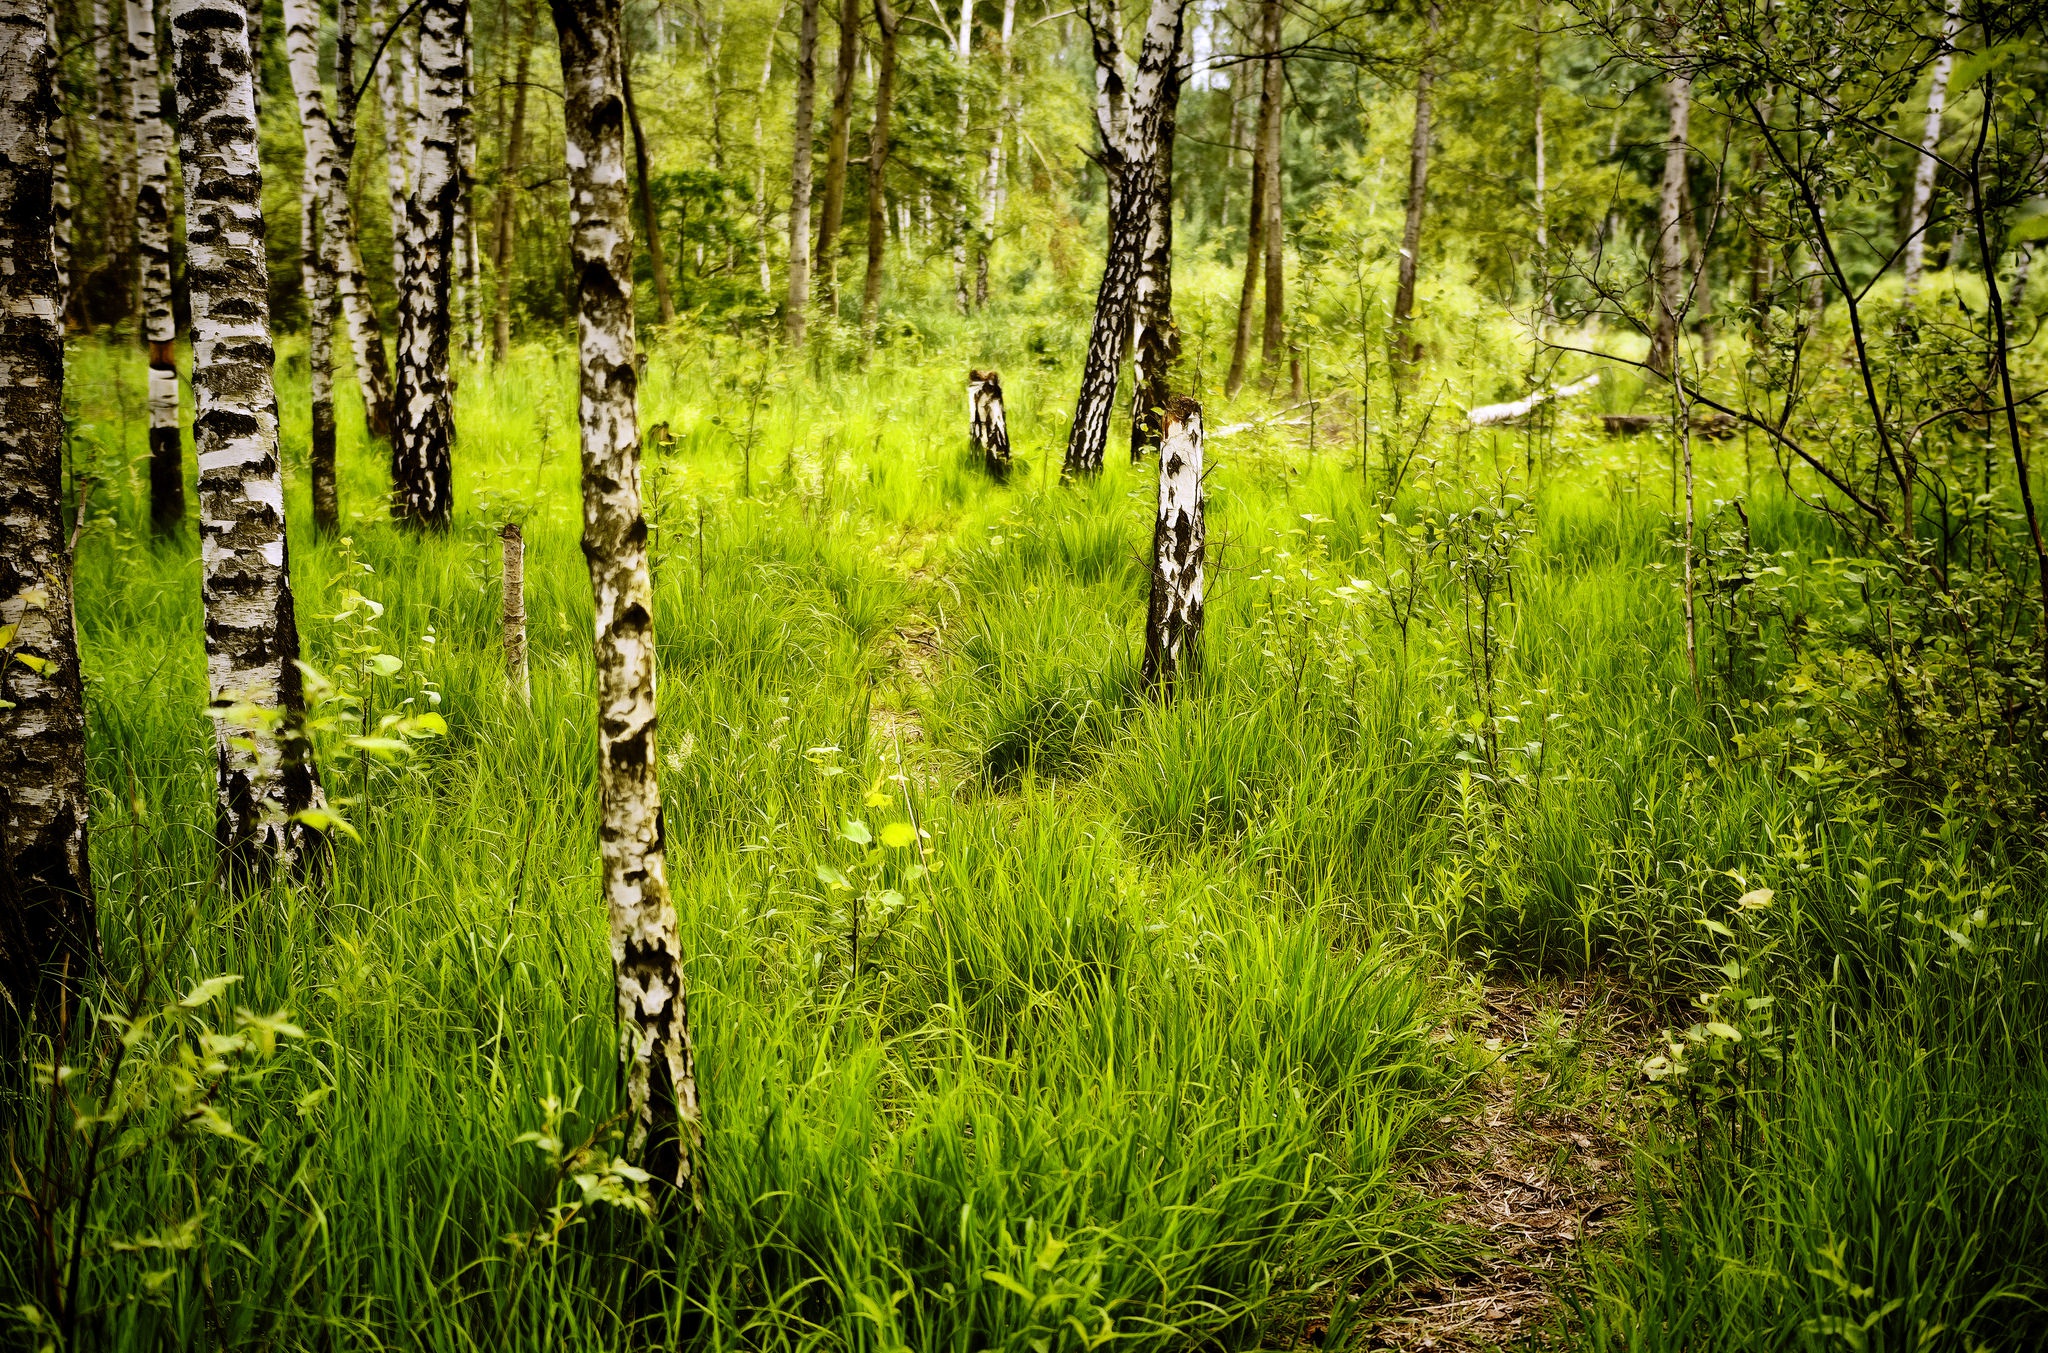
{"x": 1407, "y": 351}
{"x": 1129, "y": 119}
{"x": 1670, "y": 252}
{"x": 508, "y": 190}
{"x": 264, "y": 782}
{"x": 339, "y": 236}
{"x": 1929, "y": 164}
{"x": 153, "y": 265}
{"x": 1173, "y": 617}
{"x": 422, "y": 451}
{"x": 666, "y": 1122}
{"x": 799, "y": 298}
{"x": 1155, "y": 342}
{"x": 956, "y": 215}
{"x": 1271, "y": 88}
{"x": 992, "y": 166}
{"x": 886, "y": 23}
{"x": 389, "y": 36}
{"x": 316, "y": 259}
{"x": 664, "y": 299}
{"x": 46, "y": 901}
{"x": 838, "y": 138}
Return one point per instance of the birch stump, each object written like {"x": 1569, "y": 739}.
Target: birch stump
{"x": 987, "y": 430}
{"x": 153, "y": 260}
{"x": 513, "y": 624}
{"x": 265, "y": 779}
{"x": 46, "y": 909}
{"x": 1173, "y": 620}
{"x": 653, "y": 1016}
{"x": 423, "y": 445}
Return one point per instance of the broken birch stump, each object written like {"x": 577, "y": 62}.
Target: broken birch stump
{"x": 987, "y": 431}
{"x": 517, "y": 678}
{"x": 1173, "y": 620}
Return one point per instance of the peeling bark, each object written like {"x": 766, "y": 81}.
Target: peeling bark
{"x": 47, "y": 925}
{"x": 508, "y": 191}
{"x": 153, "y": 262}
{"x": 252, "y": 640}
{"x": 1173, "y": 619}
{"x": 799, "y": 298}
{"x": 422, "y": 452}
{"x": 886, "y": 22}
{"x": 987, "y": 430}
{"x": 654, "y": 1030}
{"x": 513, "y": 620}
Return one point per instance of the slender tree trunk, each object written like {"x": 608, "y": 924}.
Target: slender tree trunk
{"x": 657, "y": 260}
{"x": 397, "y": 114}
{"x": 799, "y": 299}
{"x": 265, "y": 778}
{"x": 508, "y": 191}
{"x": 988, "y": 431}
{"x": 513, "y": 626}
{"x": 422, "y": 454}
{"x": 837, "y": 139}
{"x": 1407, "y": 351}
{"x": 963, "y": 48}
{"x": 1173, "y": 618}
{"x": 316, "y": 257}
{"x": 365, "y": 330}
{"x": 1543, "y": 296}
{"x": 47, "y": 924}
{"x": 886, "y": 22}
{"x": 1130, "y": 131}
{"x": 1155, "y": 340}
{"x": 992, "y": 167}
{"x": 153, "y": 257}
{"x": 1928, "y": 165}
{"x": 466, "y": 266}
{"x": 760, "y": 155}
{"x": 666, "y": 1122}
{"x": 1255, "y": 229}
{"x": 1671, "y": 286}
{"x": 1272, "y": 106}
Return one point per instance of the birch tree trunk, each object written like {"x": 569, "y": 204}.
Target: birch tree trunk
{"x": 316, "y": 258}
{"x": 1543, "y": 295}
{"x": 1130, "y": 130}
{"x": 654, "y": 1030}
{"x": 886, "y": 22}
{"x": 665, "y": 303}
{"x": 1272, "y": 108}
{"x": 1255, "y": 220}
{"x": 513, "y": 613}
{"x": 1928, "y": 165}
{"x": 397, "y": 118}
{"x": 469, "y": 304}
{"x": 837, "y": 147}
{"x": 799, "y": 298}
{"x": 1155, "y": 341}
{"x": 46, "y": 902}
{"x": 60, "y": 175}
{"x": 252, "y": 639}
{"x": 1173, "y": 618}
{"x": 760, "y": 156}
{"x": 988, "y": 431}
{"x": 153, "y": 261}
{"x": 1670, "y": 258}
{"x": 956, "y": 212}
{"x": 422, "y": 454}
{"x": 345, "y": 260}
{"x": 992, "y": 167}
{"x": 508, "y": 191}
{"x": 1407, "y": 351}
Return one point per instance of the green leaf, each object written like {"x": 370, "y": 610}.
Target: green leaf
{"x": 1006, "y": 1282}
{"x": 7, "y": 633}
{"x": 1715, "y": 927}
{"x": 207, "y": 990}
{"x": 40, "y": 666}
{"x": 1756, "y": 899}
{"x": 1727, "y": 1031}
{"x": 383, "y": 664}
{"x": 856, "y": 831}
{"x": 326, "y": 823}
{"x": 897, "y": 835}
{"x": 832, "y": 878}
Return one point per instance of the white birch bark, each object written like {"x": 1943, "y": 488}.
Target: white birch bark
{"x": 760, "y": 158}
{"x": 468, "y": 310}
{"x": 512, "y": 619}
{"x": 1173, "y": 618}
{"x": 799, "y": 298}
{"x": 1670, "y": 256}
{"x": 345, "y": 261}
{"x": 46, "y": 914}
{"x": 992, "y": 166}
{"x": 1929, "y": 163}
{"x": 422, "y": 449}
{"x": 654, "y": 1031}
{"x": 397, "y": 119}
{"x": 59, "y": 133}
{"x": 252, "y": 641}
{"x": 153, "y": 263}
{"x": 316, "y": 256}
{"x": 963, "y": 46}
{"x": 988, "y": 431}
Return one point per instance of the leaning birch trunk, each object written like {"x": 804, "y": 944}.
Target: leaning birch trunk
{"x": 153, "y": 259}
{"x": 1129, "y": 163}
{"x": 265, "y": 780}
{"x": 423, "y": 451}
{"x": 1407, "y": 351}
{"x": 886, "y": 21}
{"x": 838, "y": 140}
{"x": 1670, "y": 256}
{"x": 987, "y": 430}
{"x": 316, "y": 256}
{"x": 799, "y": 298}
{"x": 508, "y": 191}
{"x": 517, "y": 679}
{"x": 1929, "y": 163}
{"x": 1155, "y": 342}
{"x": 1173, "y": 620}
{"x": 46, "y": 911}
{"x": 666, "y": 1123}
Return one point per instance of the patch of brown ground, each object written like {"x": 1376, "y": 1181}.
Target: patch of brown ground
{"x": 1534, "y": 1172}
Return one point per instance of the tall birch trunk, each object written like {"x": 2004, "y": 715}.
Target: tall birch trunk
{"x": 1670, "y": 258}
{"x": 264, "y": 777}
{"x": 665, "y": 303}
{"x": 422, "y": 454}
{"x": 1407, "y": 351}
{"x": 508, "y": 191}
{"x": 1543, "y": 292}
{"x": 365, "y": 330}
{"x": 760, "y": 156}
{"x": 47, "y": 924}
{"x": 1273, "y": 340}
{"x": 1928, "y": 165}
{"x": 469, "y": 303}
{"x": 397, "y": 118}
{"x": 1255, "y": 219}
{"x": 1155, "y": 341}
{"x": 1130, "y": 127}
{"x": 886, "y": 22}
{"x": 316, "y": 257}
{"x": 838, "y": 138}
{"x": 799, "y": 298}
{"x": 666, "y": 1122}
{"x": 60, "y": 177}
{"x": 1173, "y": 618}
{"x": 992, "y": 167}
{"x": 153, "y": 261}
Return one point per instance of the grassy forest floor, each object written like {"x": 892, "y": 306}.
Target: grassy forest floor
{"x": 1310, "y": 1008}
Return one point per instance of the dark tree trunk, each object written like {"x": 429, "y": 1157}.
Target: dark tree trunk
{"x": 799, "y": 298}
{"x": 153, "y": 258}
{"x": 47, "y": 927}
{"x": 265, "y": 780}
{"x": 1406, "y": 350}
{"x": 657, "y": 260}
{"x": 1273, "y": 112}
{"x": 878, "y": 170}
{"x": 987, "y": 430}
{"x": 1270, "y": 89}
{"x": 508, "y": 190}
{"x": 664, "y": 1120}
{"x": 1173, "y": 619}
{"x": 344, "y": 248}
{"x": 837, "y": 138}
